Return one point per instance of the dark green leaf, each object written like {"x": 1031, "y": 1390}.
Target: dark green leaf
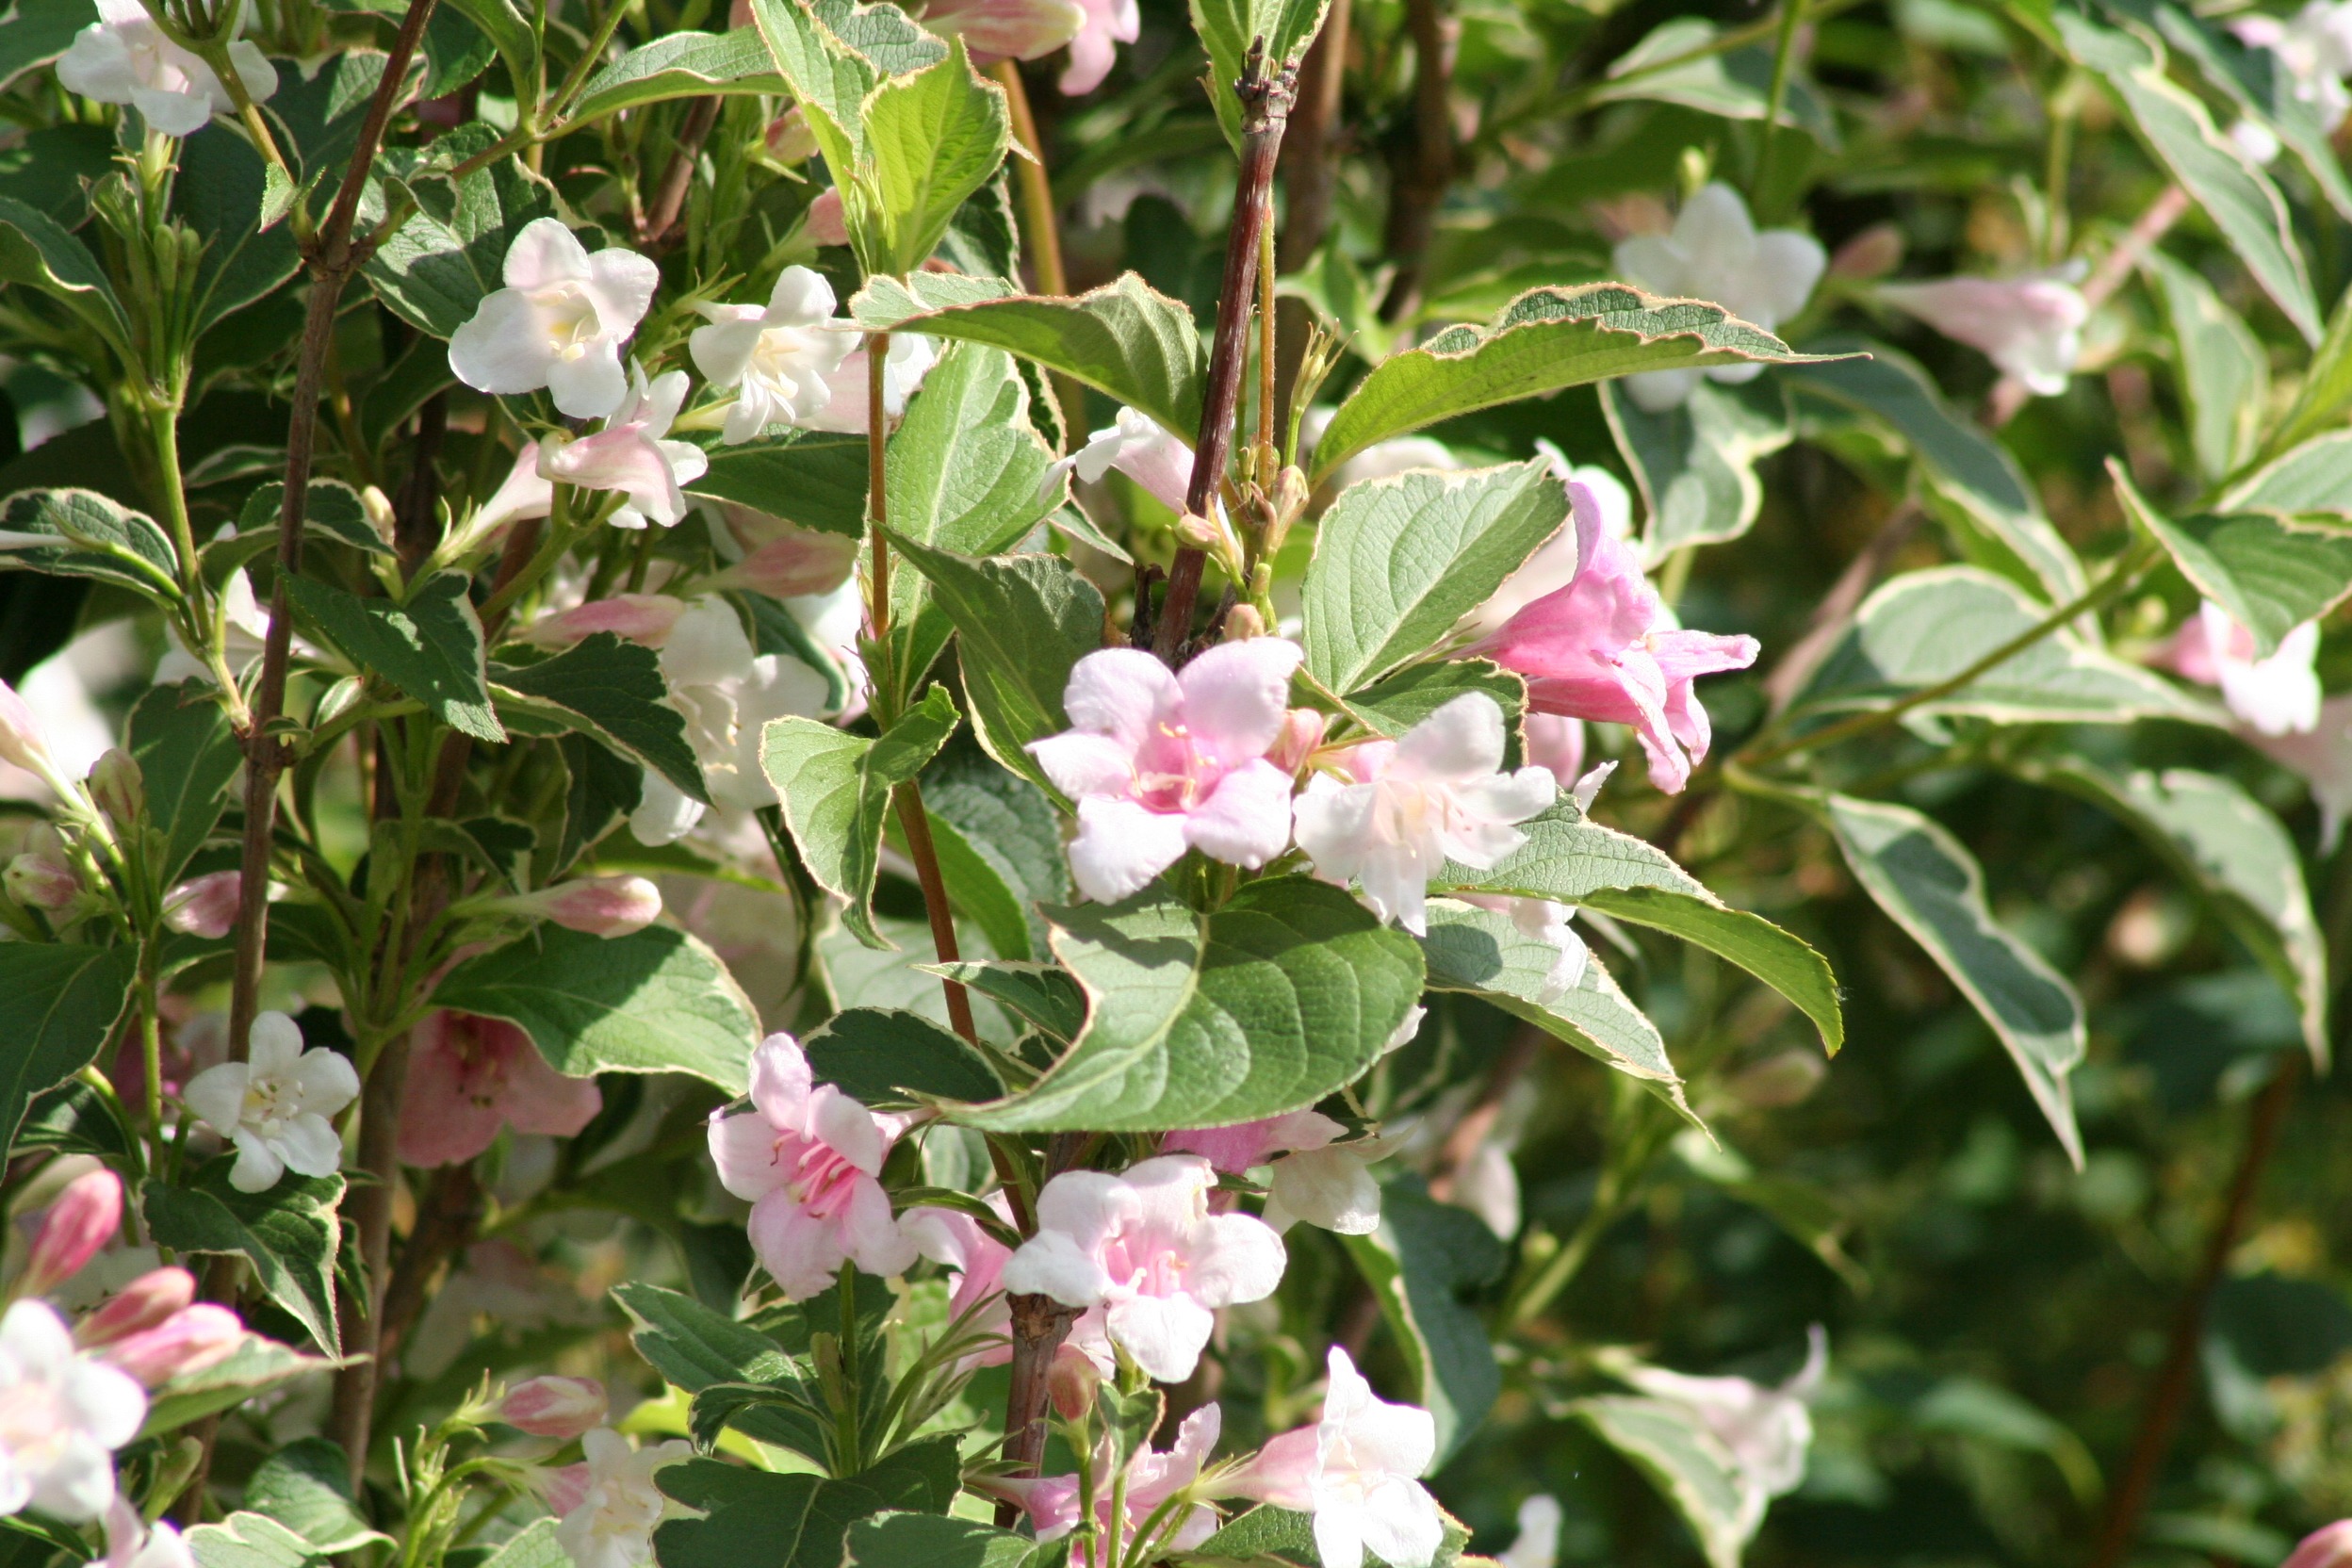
{"x": 754, "y": 1519}
{"x": 1419, "y": 1263}
{"x": 58, "y": 1001}
{"x": 430, "y": 647}
{"x": 2272, "y": 573}
{"x": 616, "y": 692}
{"x": 876, "y": 1055}
{"x": 187, "y": 755}
{"x": 289, "y": 1232}
{"x": 1695, "y": 464}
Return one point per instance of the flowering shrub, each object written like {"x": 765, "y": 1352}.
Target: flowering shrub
{"x": 843, "y": 784}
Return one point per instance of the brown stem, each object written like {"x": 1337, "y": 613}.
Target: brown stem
{"x": 444, "y": 1223}
{"x": 2170, "y": 1392}
{"x": 371, "y": 1216}
{"x": 1039, "y": 1325}
{"x": 917, "y": 826}
{"x": 678, "y": 178}
{"x": 1265, "y": 109}
{"x": 1422, "y": 170}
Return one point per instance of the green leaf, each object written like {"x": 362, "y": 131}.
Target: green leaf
{"x": 1394, "y": 706}
{"x": 1782, "y": 961}
{"x": 2234, "y": 852}
{"x": 1730, "y": 84}
{"x": 836, "y": 787}
{"x": 46, "y": 168}
{"x": 2271, "y": 573}
{"x": 679, "y": 65}
{"x": 1281, "y": 996}
{"x": 1420, "y": 1260}
{"x": 255, "y": 1365}
{"x": 221, "y": 193}
{"x": 812, "y": 479}
{"x": 835, "y": 54}
{"x": 698, "y": 1348}
{"x": 1924, "y": 628}
{"x": 97, "y": 537}
{"x": 754, "y": 1519}
{"x": 1022, "y": 621}
{"x": 1567, "y": 859}
{"x": 934, "y": 138}
{"x": 1266, "y": 1531}
{"x": 876, "y": 1055}
{"x": 616, "y": 692}
{"x": 435, "y": 270}
{"x": 246, "y": 1540}
{"x": 1695, "y": 464}
{"x": 2223, "y": 373}
{"x": 58, "y": 1003}
{"x": 2315, "y": 476}
{"x": 885, "y": 303}
{"x": 41, "y": 31}
{"x": 331, "y": 509}
{"x": 306, "y": 1486}
{"x": 39, "y": 253}
{"x": 1046, "y": 996}
{"x": 1127, "y": 341}
{"x": 430, "y": 647}
{"x": 1688, "y": 1464}
{"x": 1975, "y": 486}
{"x": 455, "y": 52}
{"x": 1544, "y": 340}
{"x": 1397, "y": 560}
{"x": 930, "y": 1540}
{"x": 653, "y": 1000}
{"x": 187, "y": 755}
{"x": 1227, "y": 28}
{"x": 289, "y": 1232}
{"x": 510, "y": 32}
{"x": 1000, "y": 847}
{"x": 1930, "y": 884}
{"x": 2232, "y": 187}
{"x": 534, "y": 1546}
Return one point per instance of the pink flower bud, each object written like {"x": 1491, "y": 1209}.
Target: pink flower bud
{"x": 22, "y": 740}
{"x": 645, "y": 618}
{"x": 2330, "y": 1546}
{"x": 1302, "y": 731}
{"x": 799, "y": 562}
{"x": 1071, "y": 1380}
{"x": 1555, "y": 741}
{"x": 564, "y": 1489}
{"x": 1872, "y": 253}
{"x": 82, "y": 1220}
{"x": 119, "y": 787}
{"x": 790, "y": 140}
{"x": 599, "y": 905}
{"x": 554, "y": 1407}
{"x": 144, "y": 1303}
{"x": 825, "y": 225}
{"x": 188, "y": 1341}
{"x": 1006, "y": 29}
{"x": 206, "y": 905}
{"x": 41, "y": 882}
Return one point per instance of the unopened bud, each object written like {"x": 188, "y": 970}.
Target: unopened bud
{"x": 646, "y": 618}
{"x": 554, "y": 1407}
{"x": 206, "y": 905}
{"x": 142, "y": 1304}
{"x": 824, "y": 222}
{"x": 2330, "y": 1546}
{"x": 1872, "y": 253}
{"x": 41, "y": 882}
{"x": 1289, "y": 499}
{"x": 188, "y": 1341}
{"x": 1243, "y": 622}
{"x": 599, "y": 905}
{"x": 119, "y": 788}
{"x": 789, "y": 137}
{"x": 378, "y": 506}
{"x": 1007, "y": 29}
{"x": 1196, "y": 532}
{"x": 1302, "y": 731}
{"x": 800, "y": 562}
{"x": 1071, "y": 1382}
{"x": 78, "y": 1226}
{"x": 22, "y": 742}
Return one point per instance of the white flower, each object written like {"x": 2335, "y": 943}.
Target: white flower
{"x": 2322, "y": 754}
{"x": 1137, "y": 446}
{"x": 275, "y": 1107}
{"x": 2031, "y": 328}
{"x": 729, "y": 695}
{"x": 611, "y": 1519}
{"x": 124, "y": 57}
{"x": 2273, "y": 697}
{"x": 62, "y": 1415}
{"x": 1358, "y": 1470}
{"x": 559, "y": 323}
{"x": 1547, "y": 923}
{"x": 1310, "y": 1174}
{"x": 776, "y": 357}
{"x": 2315, "y": 47}
{"x": 903, "y": 368}
{"x": 1538, "y": 1546}
{"x": 1411, "y": 804}
{"x": 131, "y": 1543}
{"x": 1142, "y": 1253}
{"x": 633, "y": 453}
{"x": 1715, "y": 254}
{"x": 1762, "y": 1432}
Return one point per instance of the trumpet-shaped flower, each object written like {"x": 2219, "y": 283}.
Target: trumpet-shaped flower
{"x": 1054, "y": 1503}
{"x": 2030, "y": 328}
{"x": 559, "y": 323}
{"x": 1405, "y": 806}
{"x": 124, "y": 57}
{"x": 1311, "y": 1176}
{"x": 633, "y": 453}
{"x": 776, "y": 357}
{"x": 847, "y": 412}
{"x": 728, "y": 694}
{"x": 1716, "y": 254}
{"x": 1160, "y": 763}
{"x": 1606, "y": 648}
{"x": 976, "y": 1260}
{"x": 469, "y": 1076}
{"x": 610, "y": 1505}
{"x": 809, "y": 1159}
{"x": 1144, "y": 1255}
{"x": 1538, "y": 1541}
{"x": 2322, "y": 754}
{"x": 1358, "y": 1471}
{"x": 62, "y": 1415}
{"x": 190, "y": 1340}
{"x": 274, "y": 1107}
{"x": 1108, "y": 23}
{"x": 144, "y": 1303}
{"x": 1138, "y": 447}
{"x": 206, "y": 905}
{"x": 132, "y": 1542}
{"x": 2277, "y": 695}
{"x": 1763, "y": 1432}
{"x": 525, "y": 493}
{"x": 1006, "y": 29}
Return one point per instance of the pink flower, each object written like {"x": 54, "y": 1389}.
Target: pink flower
{"x": 206, "y": 905}
{"x": 190, "y": 1340}
{"x": 131, "y": 1543}
{"x": 2031, "y": 328}
{"x": 554, "y": 1407}
{"x": 1160, "y": 763}
{"x": 633, "y": 453}
{"x": 849, "y": 402}
{"x": 1144, "y": 1255}
{"x": 1302, "y": 731}
{"x": 1108, "y": 22}
{"x": 1358, "y": 1471}
{"x": 76, "y": 1228}
{"x": 1138, "y": 447}
{"x": 2277, "y": 695}
{"x": 146, "y": 1302}
{"x": 1314, "y": 1177}
{"x": 524, "y": 492}
{"x": 1054, "y": 1502}
{"x": 1401, "y": 808}
{"x": 2328, "y": 1546}
{"x": 824, "y": 223}
{"x": 2322, "y": 754}
{"x": 1553, "y": 741}
{"x": 797, "y": 563}
{"x": 1006, "y": 29}
{"x": 645, "y": 618}
{"x": 467, "y": 1076}
{"x": 809, "y": 1159}
{"x": 1606, "y": 648}
{"x": 66, "y": 1413}
{"x": 25, "y": 744}
{"x": 598, "y": 906}
{"x": 559, "y": 323}
{"x": 977, "y": 1262}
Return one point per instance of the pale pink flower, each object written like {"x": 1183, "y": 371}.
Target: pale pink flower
{"x": 1159, "y": 763}
{"x": 1302, "y": 731}
{"x": 144, "y": 1303}
{"x": 644, "y": 618}
{"x": 1311, "y": 1176}
{"x": 41, "y": 882}
{"x": 554, "y": 1407}
{"x": 1548, "y": 923}
{"x": 190, "y": 1340}
{"x": 2277, "y": 695}
{"x": 132, "y": 1542}
{"x": 1006, "y": 29}
{"x": 1092, "y": 51}
{"x": 469, "y": 1076}
{"x": 206, "y": 905}
{"x": 976, "y": 1260}
{"x": 776, "y": 356}
{"x": 76, "y": 1228}
{"x": 1762, "y": 1431}
{"x": 559, "y": 323}
{"x": 1405, "y": 806}
{"x": 1553, "y": 741}
{"x": 24, "y": 744}
{"x": 124, "y": 57}
{"x": 1144, "y": 1255}
{"x": 634, "y": 454}
{"x": 847, "y": 409}
{"x": 1715, "y": 253}
{"x": 610, "y": 1506}
{"x": 2328, "y": 1546}
{"x": 1053, "y": 1503}
{"x": 66, "y": 1414}
{"x": 2315, "y": 47}
{"x": 809, "y": 1159}
{"x": 524, "y": 494}
{"x": 597, "y": 905}
{"x": 795, "y": 564}
{"x": 2322, "y": 754}
{"x": 276, "y": 1105}
{"x": 1138, "y": 446}
{"x": 824, "y": 222}
{"x": 1606, "y": 648}
{"x": 1358, "y": 1471}
{"x": 2030, "y": 328}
